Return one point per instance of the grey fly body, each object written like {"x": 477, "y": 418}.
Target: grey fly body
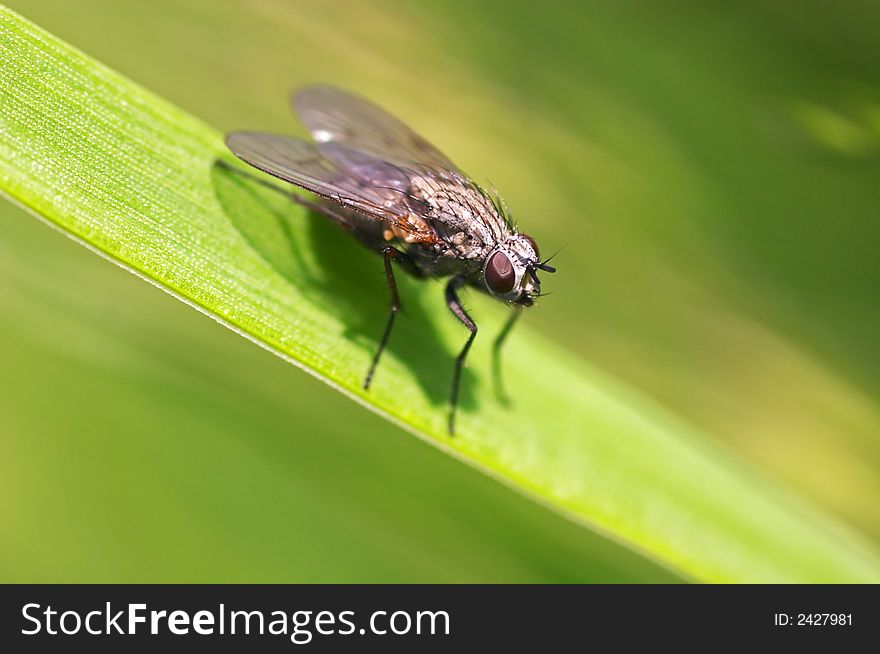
{"x": 401, "y": 197}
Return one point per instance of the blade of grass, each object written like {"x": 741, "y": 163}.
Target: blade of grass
{"x": 136, "y": 180}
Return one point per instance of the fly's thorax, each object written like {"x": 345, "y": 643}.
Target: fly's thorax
{"x": 461, "y": 213}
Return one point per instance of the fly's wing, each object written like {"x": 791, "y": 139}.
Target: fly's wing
{"x": 346, "y": 127}
{"x": 362, "y": 183}
{"x": 338, "y": 117}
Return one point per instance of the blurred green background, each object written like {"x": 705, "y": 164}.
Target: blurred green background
{"x": 712, "y": 171}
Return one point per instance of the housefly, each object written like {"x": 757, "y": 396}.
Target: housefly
{"x": 401, "y": 197}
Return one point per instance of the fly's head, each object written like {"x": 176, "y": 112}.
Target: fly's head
{"x": 511, "y": 271}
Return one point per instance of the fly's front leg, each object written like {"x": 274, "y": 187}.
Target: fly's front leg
{"x": 455, "y": 306}
{"x": 390, "y": 253}
{"x": 496, "y": 352}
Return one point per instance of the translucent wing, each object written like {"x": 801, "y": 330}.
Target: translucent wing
{"x": 336, "y": 116}
{"x": 354, "y": 180}
{"x": 366, "y": 159}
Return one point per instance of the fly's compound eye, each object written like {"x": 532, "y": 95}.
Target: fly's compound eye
{"x": 500, "y": 275}
{"x": 533, "y": 244}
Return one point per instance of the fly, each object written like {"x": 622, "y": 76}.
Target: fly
{"x": 401, "y": 197}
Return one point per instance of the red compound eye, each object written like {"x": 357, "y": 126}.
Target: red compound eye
{"x": 500, "y": 275}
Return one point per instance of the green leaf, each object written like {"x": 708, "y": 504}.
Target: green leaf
{"x": 136, "y": 180}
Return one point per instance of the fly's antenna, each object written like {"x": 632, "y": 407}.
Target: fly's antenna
{"x": 543, "y": 265}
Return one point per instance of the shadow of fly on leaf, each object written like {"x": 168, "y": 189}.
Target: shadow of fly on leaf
{"x": 341, "y": 278}
{"x": 400, "y": 197}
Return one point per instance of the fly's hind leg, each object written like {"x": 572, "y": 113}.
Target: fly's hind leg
{"x": 390, "y": 254}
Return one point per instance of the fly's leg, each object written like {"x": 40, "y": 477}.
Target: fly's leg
{"x": 390, "y": 253}
{"x": 496, "y": 353}
{"x": 317, "y": 207}
{"x": 455, "y": 306}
